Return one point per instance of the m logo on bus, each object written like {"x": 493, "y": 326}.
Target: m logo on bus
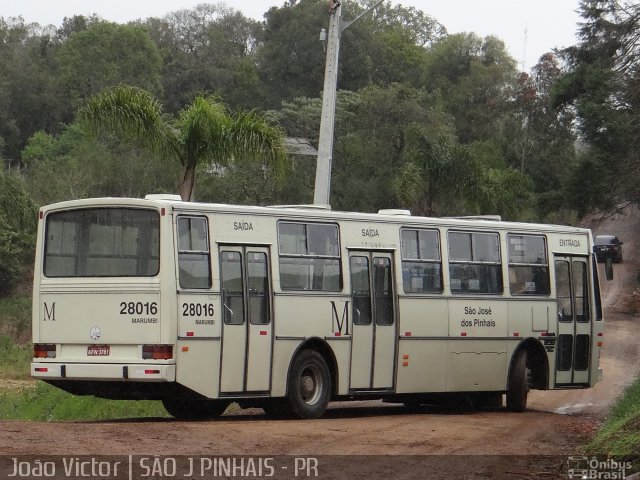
{"x": 49, "y": 314}
{"x": 340, "y": 323}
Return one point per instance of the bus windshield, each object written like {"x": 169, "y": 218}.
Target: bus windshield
{"x": 102, "y": 242}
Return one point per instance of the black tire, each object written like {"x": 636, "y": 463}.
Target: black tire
{"x": 190, "y": 409}
{"x": 308, "y": 386}
{"x": 518, "y": 387}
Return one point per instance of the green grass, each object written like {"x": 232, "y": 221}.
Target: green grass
{"x": 620, "y": 434}
{"x": 14, "y": 358}
{"x": 43, "y": 402}
{"x": 15, "y": 335}
{"x": 15, "y": 317}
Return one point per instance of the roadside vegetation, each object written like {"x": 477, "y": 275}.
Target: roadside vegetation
{"x": 42, "y": 402}
{"x": 620, "y": 434}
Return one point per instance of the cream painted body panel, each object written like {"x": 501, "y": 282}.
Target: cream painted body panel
{"x": 197, "y": 367}
{"x": 385, "y": 353}
{"x": 477, "y": 365}
{"x": 361, "y": 354}
{"x": 96, "y": 317}
{"x": 309, "y": 316}
{"x": 421, "y": 367}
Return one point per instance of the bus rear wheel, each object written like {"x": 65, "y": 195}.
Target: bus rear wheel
{"x": 192, "y": 409}
{"x": 309, "y": 385}
{"x": 518, "y": 389}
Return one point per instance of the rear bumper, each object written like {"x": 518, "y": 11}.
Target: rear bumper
{"x": 101, "y": 371}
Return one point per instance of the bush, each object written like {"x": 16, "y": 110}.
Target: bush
{"x": 14, "y": 359}
{"x": 15, "y": 318}
{"x": 12, "y": 256}
{"x": 18, "y": 222}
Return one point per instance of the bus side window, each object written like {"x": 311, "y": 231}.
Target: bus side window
{"x": 193, "y": 253}
{"x": 528, "y": 265}
{"x": 309, "y": 256}
{"x": 475, "y": 264}
{"x": 421, "y": 267}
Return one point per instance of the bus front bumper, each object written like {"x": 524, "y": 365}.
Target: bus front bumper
{"x": 100, "y": 371}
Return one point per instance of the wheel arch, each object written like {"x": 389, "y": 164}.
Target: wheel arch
{"x": 323, "y": 348}
{"x": 537, "y": 363}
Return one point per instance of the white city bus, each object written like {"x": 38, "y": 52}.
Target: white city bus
{"x": 288, "y": 308}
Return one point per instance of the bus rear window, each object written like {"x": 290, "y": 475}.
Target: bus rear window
{"x": 102, "y": 242}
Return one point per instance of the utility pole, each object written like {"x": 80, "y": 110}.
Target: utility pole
{"x": 327, "y": 120}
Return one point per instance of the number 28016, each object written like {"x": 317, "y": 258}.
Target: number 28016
{"x": 197, "y": 310}
{"x": 138, "y": 308}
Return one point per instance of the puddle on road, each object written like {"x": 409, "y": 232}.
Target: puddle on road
{"x": 574, "y": 409}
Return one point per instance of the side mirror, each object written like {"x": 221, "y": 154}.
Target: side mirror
{"x": 608, "y": 268}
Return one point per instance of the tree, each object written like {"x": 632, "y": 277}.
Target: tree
{"x": 17, "y": 230}
{"x": 205, "y": 132}
{"x": 75, "y": 165}
{"x": 28, "y": 101}
{"x": 473, "y": 76}
{"x": 371, "y": 144}
{"x": 437, "y": 175}
{"x": 291, "y": 59}
{"x": 209, "y": 48}
{"x": 601, "y": 83}
{"x": 536, "y": 138}
{"x": 444, "y": 177}
{"x": 385, "y": 46}
{"x": 388, "y": 45}
{"x": 104, "y": 55}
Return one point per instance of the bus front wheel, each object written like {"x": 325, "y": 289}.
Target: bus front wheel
{"x": 309, "y": 385}
{"x": 189, "y": 409}
{"x": 518, "y": 386}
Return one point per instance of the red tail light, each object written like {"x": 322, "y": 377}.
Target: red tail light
{"x": 157, "y": 352}
{"x": 44, "y": 350}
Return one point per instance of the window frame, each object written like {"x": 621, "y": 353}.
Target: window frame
{"x": 497, "y": 265}
{"x": 84, "y": 227}
{"x": 407, "y": 261}
{"x": 306, "y": 259}
{"x": 544, "y": 265}
{"x": 203, "y": 253}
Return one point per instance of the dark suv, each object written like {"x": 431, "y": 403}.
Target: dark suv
{"x": 608, "y": 246}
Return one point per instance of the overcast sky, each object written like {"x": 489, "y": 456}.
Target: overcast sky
{"x": 548, "y": 23}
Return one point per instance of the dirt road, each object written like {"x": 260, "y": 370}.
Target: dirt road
{"x": 556, "y": 423}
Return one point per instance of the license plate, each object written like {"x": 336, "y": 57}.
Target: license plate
{"x": 98, "y": 350}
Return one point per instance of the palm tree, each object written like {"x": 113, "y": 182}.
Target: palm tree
{"x": 205, "y": 132}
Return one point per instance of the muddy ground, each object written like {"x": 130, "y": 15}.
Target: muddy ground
{"x": 468, "y": 444}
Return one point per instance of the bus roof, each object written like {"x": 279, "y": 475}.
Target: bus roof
{"x": 309, "y": 212}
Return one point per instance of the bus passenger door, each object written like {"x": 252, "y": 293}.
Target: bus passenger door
{"x": 573, "y": 349}
{"x": 245, "y": 365}
{"x": 373, "y": 343}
